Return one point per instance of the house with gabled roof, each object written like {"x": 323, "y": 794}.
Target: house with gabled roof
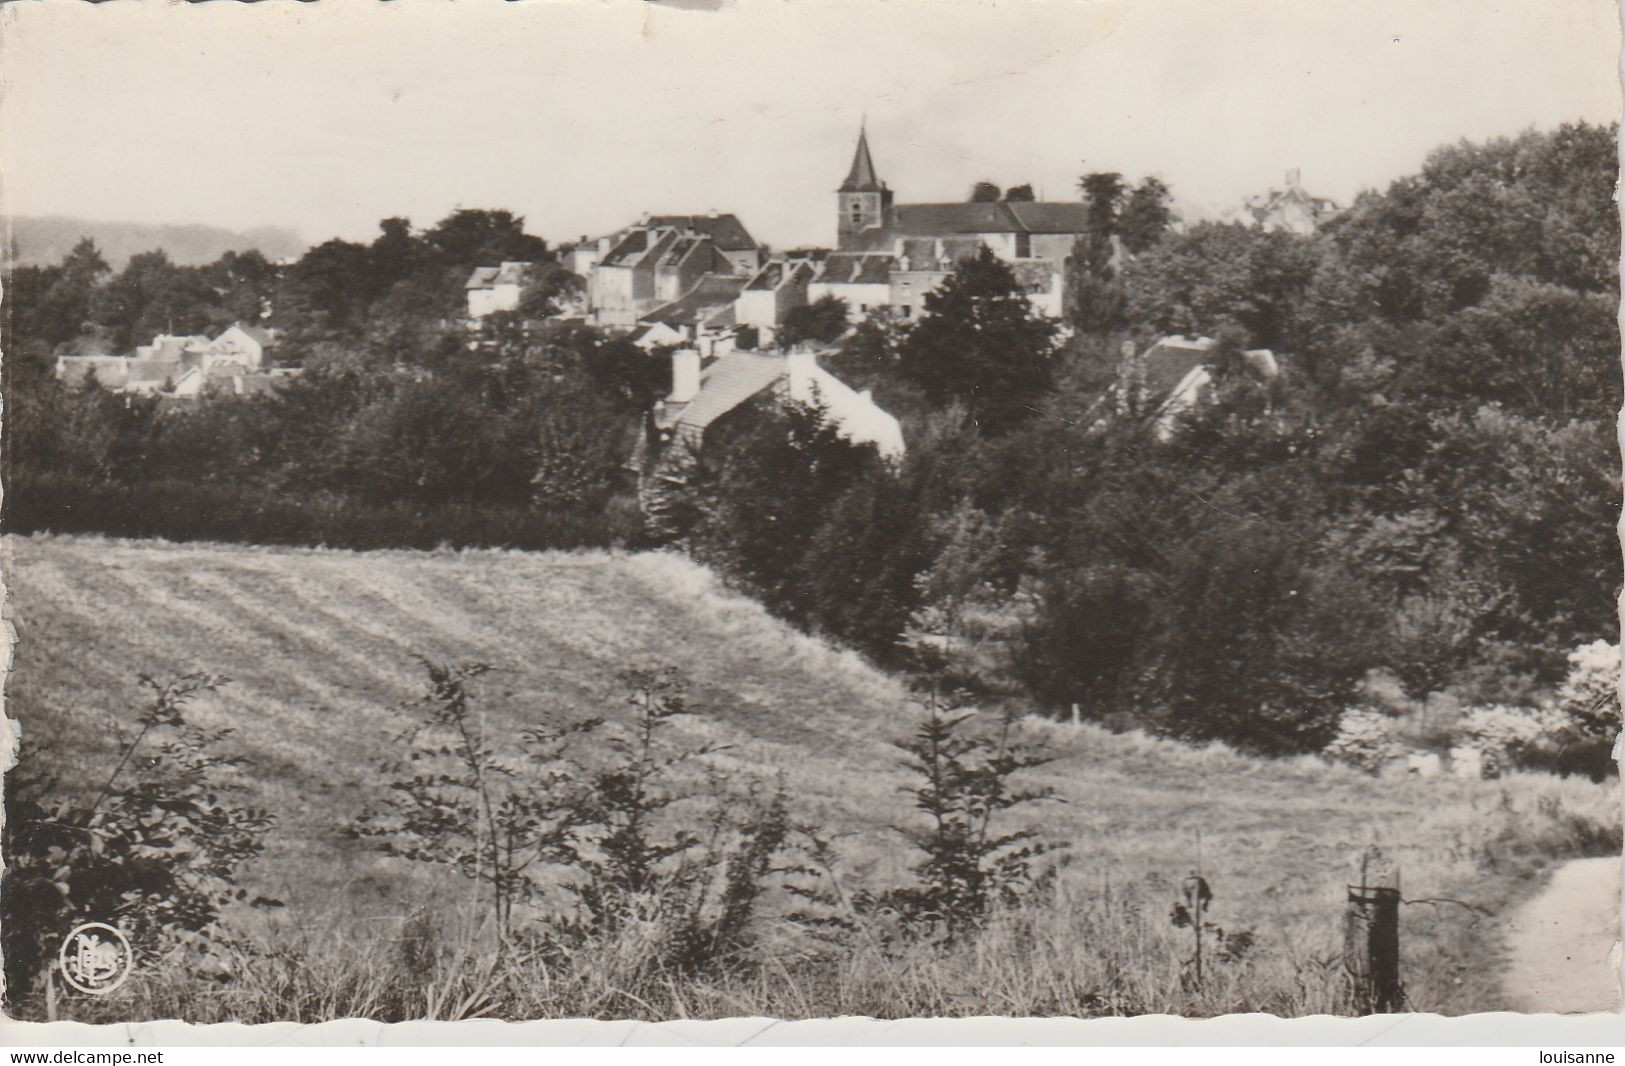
{"x": 1289, "y": 210}
{"x": 492, "y": 289}
{"x": 706, "y": 393}
{"x": 861, "y": 279}
{"x": 1174, "y": 375}
{"x": 247, "y": 347}
{"x": 687, "y": 260}
{"x": 700, "y": 318}
{"x": 772, "y": 293}
{"x": 727, "y": 234}
{"x": 661, "y": 258}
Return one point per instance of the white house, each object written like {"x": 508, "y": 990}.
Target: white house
{"x": 239, "y": 346}
{"x": 862, "y": 279}
{"x": 493, "y": 289}
{"x": 854, "y": 413}
{"x": 706, "y": 393}
{"x": 777, "y": 289}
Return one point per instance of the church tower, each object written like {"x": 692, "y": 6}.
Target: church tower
{"x": 863, "y": 199}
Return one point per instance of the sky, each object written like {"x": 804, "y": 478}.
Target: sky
{"x": 582, "y": 115}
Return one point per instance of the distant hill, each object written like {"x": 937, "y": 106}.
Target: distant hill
{"x": 46, "y": 239}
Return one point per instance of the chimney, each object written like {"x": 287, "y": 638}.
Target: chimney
{"x": 800, "y": 362}
{"x": 1294, "y": 177}
{"x": 685, "y": 375}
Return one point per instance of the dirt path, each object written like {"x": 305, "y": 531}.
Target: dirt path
{"x": 1560, "y": 944}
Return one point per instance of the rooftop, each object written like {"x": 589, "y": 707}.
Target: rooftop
{"x": 729, "y": 382}
{"x": 700, "y": 302}
{"x": 725, "y": 230}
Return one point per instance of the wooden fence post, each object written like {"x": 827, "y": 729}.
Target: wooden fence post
{"x": 1371, "y": 935}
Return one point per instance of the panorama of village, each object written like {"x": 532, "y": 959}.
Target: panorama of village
{"x": 1066, "y": 599}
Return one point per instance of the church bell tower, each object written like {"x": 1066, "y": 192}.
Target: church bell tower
{"x": 863, "y": 200}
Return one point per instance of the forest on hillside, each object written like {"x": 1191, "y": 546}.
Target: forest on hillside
{"x": 1426, "y": 492}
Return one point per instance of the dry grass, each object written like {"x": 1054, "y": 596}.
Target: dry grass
{"x": 319, "y": 645}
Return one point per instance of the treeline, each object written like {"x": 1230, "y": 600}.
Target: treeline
{"x": 403, "y": 430}
{"x": 1428, "y": 486}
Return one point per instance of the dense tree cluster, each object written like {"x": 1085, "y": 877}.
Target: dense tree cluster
{"x": 1428, "y": 487}
{"x": 404, "y": 427}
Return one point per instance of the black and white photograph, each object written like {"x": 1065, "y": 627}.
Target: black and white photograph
{"x": 891, "y": 509}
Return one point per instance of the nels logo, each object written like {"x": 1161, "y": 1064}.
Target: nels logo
{"x": 95, "y": 958}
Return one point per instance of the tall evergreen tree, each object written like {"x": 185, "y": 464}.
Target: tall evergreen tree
{"x": 981, "y": 343}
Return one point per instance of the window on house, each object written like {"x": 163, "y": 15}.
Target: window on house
{"x": 908, "y": 311}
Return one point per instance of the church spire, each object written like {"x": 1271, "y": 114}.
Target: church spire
{"x": 861, "y": 178}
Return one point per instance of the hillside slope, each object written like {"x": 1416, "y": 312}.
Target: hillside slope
{"x": 319, "y": 645}
{"x": 40, "y": 241}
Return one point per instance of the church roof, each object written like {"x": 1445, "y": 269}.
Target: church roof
{"x": 946, "y": 220}
{"x": 861, "y": 178}
{"x": 1052, "y": 217}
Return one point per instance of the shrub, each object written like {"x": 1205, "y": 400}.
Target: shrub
{"x": 455, "y": 801}
{"x": 972, "y": 860}
{"x": 1589, "y": 698}
{"x": 157, "y": 849}
{"x": 621, "y": 854}
{"x": 1365, "y": 738}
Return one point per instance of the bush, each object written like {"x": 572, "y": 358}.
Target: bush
{"x": 588, "y": 851}
{"x": 157, "y": 850}
{"x": 972, "y": 860}
{"x": 1365, "y": 738}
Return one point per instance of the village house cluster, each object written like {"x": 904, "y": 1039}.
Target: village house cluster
{"x": 700, "y": 287}
{"x": 702, "y": 280}
{"x": 238, "y": 361}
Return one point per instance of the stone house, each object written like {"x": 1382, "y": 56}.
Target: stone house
{"x": 661, "y": 258}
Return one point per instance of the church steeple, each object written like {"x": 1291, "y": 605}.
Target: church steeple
{"x": 861, "y": 178}
{"x": 862, "y": 201}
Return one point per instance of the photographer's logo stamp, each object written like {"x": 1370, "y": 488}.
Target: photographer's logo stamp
{"x": 95, "y": 958}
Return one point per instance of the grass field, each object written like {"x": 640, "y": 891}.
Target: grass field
{"x": 319, "y": 647}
